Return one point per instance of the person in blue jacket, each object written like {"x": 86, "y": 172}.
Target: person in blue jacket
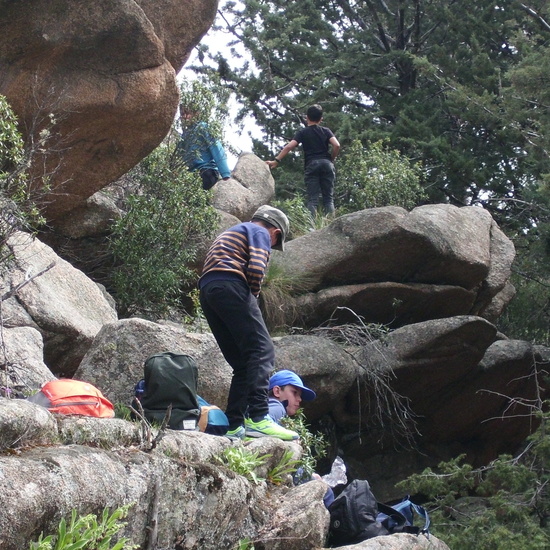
{"x": 200, "y": 150}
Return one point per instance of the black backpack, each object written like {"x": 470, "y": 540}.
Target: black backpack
{"x": 171, "y": 379}
{"x": 353, "y": 515}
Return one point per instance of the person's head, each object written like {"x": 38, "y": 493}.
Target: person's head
{"x": 286, "y": 386}
{"x": 188, "y": 116}
{"x": 315, "y": 113}
{"x": 275, "y": 222}
{"x": 196, "y": 103}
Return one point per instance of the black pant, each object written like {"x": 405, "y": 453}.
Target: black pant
{"x": 319, "y": 176}
{"x": 237, "y": 324}
{"x": 209, "y": 177}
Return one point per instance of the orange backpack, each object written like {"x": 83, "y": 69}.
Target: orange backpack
{"x": 67, "y": 396}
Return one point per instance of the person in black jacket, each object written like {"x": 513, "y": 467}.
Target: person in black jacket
{"x": 320, "y": 148}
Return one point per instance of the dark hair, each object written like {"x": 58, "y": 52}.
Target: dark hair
{"x": 315, "y": 113}
{"x": 282, "y": 387}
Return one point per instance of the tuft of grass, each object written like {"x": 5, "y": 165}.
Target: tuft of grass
{"x": 286, "y": 466}
{"x": 300, "y": 218}
{"x": 243, "y": 462}
{"x": 278, "y": 288}
{"x": 87, "y": 533}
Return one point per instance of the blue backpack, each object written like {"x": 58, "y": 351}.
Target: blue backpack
{"x": 212, "y": 419}
{"x": 399, "y": 518}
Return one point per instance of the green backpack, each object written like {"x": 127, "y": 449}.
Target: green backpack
{"x": 171, "y": 379}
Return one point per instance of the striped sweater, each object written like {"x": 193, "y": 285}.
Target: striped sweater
{"x": 242, "y": 251}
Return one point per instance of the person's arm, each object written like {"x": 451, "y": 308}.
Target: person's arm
{"x": 335, "y": 148}
{"x": 220, "y": 158}
{"x": 292, "y": 144}
{"x": 259, "y": 246}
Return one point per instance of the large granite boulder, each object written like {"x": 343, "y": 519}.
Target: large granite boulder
{"x": 251, "y": 185}
{"x": 114, "y": 362}
{"x": 100, "y": 77}
{"x": 395, "y": 267}
{"x": 55, "y": 299}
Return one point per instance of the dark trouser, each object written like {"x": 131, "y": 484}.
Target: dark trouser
{"x": 237, "y": 324}
{"x": 209, "y": 177}
{"x": 319, "y": 178}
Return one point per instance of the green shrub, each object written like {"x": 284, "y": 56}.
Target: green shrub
{"x": 314, "y": 446}
{"x": 154, "y": 245}
{"x": 503, "y": 505}
{"x": 374, "y": 177}
{"x": 17, "y": 210}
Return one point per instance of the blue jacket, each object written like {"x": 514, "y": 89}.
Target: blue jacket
{"x": 199, "y": 150}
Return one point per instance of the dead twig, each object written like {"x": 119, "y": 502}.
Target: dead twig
{"x": 28, "y": 279}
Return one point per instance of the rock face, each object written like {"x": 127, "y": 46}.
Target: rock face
{"x": 180, "y": 492}
{"x": 458, "y": 385}
{"x": 395, "y": 267}
{"x": 251, "y": 185}
{"x": 101, "y": 76}
{"x": 57, "y": 301}
{"x": 457, "y": 382}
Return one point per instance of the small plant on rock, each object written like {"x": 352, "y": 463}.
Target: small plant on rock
{"x": 87, "y": 533}
{"x": 286, "y": 466}
{"x": 243, "y": 462}
{"x": 314, "y": 445}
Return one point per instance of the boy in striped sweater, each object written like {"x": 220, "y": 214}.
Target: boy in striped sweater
{"x": 230, "y": 284}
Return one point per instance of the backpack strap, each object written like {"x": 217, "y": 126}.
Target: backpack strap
{"x": 421, "y": 511}
{"x": 395, "y": 521}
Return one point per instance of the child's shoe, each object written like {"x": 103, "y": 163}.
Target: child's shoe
{"x": 236, "y": 434}
{"x": 266, "y": 427}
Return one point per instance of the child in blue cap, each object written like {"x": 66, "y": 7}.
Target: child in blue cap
{"x": 286, "y": 393}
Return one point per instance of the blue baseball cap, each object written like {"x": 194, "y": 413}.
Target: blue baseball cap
{"x": 284, "y": 377}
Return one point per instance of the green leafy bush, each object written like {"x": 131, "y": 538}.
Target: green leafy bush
{"x": 11, "y": 142}
{"x": 87, "y": 533}
{"x": 376, "y": 176}
{"x": 208, "y": 103}
{"x": 17, "y": 211}
{"x": 154, "y": 245}
{"x": 503, "y": 505}
{"x": 314, "y": 446}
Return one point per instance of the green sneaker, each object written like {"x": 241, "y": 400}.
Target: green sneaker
{"x": 236, "y": 434}
{"x": 266, "y": 427}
